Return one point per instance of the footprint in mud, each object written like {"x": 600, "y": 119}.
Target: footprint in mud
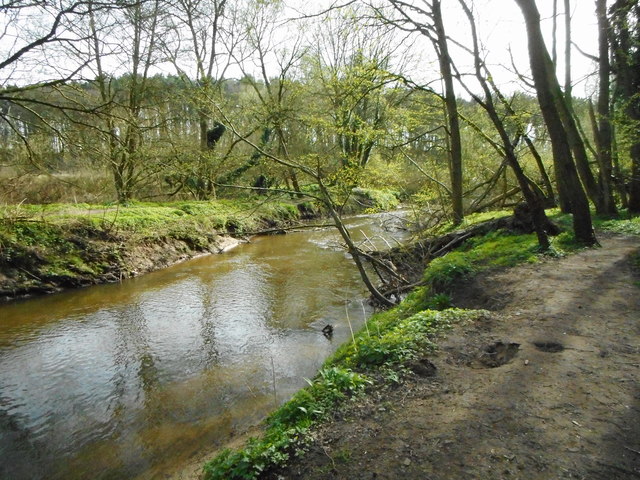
{"x": 423, "y": 367}
{"x": 498, "y": 354}
{"x": 549, "y": 347}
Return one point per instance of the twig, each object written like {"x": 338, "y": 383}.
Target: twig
{"x": 30, "y": 274}
{"x": 273, "y": 375}
{"x": 292, "y": 227}
{"x": 327, "y": 454}
{"x": 364, "y": 316}
{"x": 452, "y": 243}
{"x": 631, "y": 449}
{"x": 353, "y": 337}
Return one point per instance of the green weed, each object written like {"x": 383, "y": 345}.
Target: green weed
{"x": 625, "y": 224}
{"x": 287, "y": 428}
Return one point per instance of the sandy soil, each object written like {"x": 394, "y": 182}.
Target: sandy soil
{"x": 564, "y": 401}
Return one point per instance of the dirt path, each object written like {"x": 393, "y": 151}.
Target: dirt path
{"x": 567, "y": 405}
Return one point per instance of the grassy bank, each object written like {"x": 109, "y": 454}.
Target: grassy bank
{"x": 45, "y": 248}
{"x": 391, "y": 346}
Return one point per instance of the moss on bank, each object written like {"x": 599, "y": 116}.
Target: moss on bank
{"x": 385, "y": 349}
{"x": 44, "y": 248}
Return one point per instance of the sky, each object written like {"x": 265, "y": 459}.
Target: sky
{"x": 500, "y": 26}
{"x": 501, "y": 29}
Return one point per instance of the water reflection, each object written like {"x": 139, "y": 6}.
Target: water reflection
{"x": 112, "y": 381}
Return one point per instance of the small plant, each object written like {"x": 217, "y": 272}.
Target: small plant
{"x": 440, "y": 301}
{"x": 445, "y": 271}
{"x": 343, "y": 455}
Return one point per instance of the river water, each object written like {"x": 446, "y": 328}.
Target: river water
{"x": 129, "y": 380}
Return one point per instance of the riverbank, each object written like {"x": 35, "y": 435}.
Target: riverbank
{"x": 543, "y": 385}
{"x": 337, "y": 427}
{"x": 48, "y": 248}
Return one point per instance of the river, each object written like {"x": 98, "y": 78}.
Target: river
{"x": 128, "y": 380}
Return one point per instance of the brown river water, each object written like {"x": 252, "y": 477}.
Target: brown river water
{"x": 130, "y": 380}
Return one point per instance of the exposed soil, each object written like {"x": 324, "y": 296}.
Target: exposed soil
{"x": 545, "y": 387}
{"x": 124, "y": 260}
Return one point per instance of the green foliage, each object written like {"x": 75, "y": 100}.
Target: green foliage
{"x": 496, "y": 249}
{"x": 445, "y": 271}
{"x": 439, "y": 301}
{"x": 625, "y": 224}
{"x": 315, "y": 402}
{"x": 394, "y": 339}
{"x": 287, "y": 431}
{"x": 469, "y": 220}
{"x": 258, "y": 455}
{"x": 69, "y": 245}
{"x": 376, "y": 200}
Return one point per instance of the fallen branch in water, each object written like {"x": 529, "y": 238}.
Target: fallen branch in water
{"x": 279, "y": 230}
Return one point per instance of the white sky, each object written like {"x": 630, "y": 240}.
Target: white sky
{"x": 500, "y": 27}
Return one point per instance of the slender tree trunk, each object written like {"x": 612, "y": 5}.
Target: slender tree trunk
{"x": 455, "y": 166}
{"x": 603, "y": 132}
{"x": 351, "y": 247}
{"x": 546, "y": 83}
{"x": 546, "y": 181}
{"x": 554, "y": 35}
{"x": 617, "y": 171}
{"x": 204, "y": 126}
{"x": 567, "y": 52}
{"x": 534, "y": 201}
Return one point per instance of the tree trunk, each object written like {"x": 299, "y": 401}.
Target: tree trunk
{"x": 546, "y": 82}
{"x": 567, "y": 52}
{"x": 534, "y": 201}
{"x": 601, "y": 124}
{"x": 204, "y": 126}
{"x": 455, "y": 165}
{"x": 626, "y": 55}
{"x": 351, "y": 247}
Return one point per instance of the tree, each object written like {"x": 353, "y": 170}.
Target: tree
{"x": 603, "y": 132}
{"x": 433, "y": 29}
{"x": 350, "y": 67}
{"x": 138, "y": 29}
{"x": 278, "y": 94}
{"x": 204, "y": 37}
{"x": 533, "y": 199}
{"x": 548, "y": 92}
{"x": 625, "y": 43}
{"x": 34, "y": 38}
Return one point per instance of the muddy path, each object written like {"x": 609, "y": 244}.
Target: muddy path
{"x": 562, "y": 402}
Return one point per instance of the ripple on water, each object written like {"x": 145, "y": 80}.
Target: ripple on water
{"x": 119, "y": 378}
